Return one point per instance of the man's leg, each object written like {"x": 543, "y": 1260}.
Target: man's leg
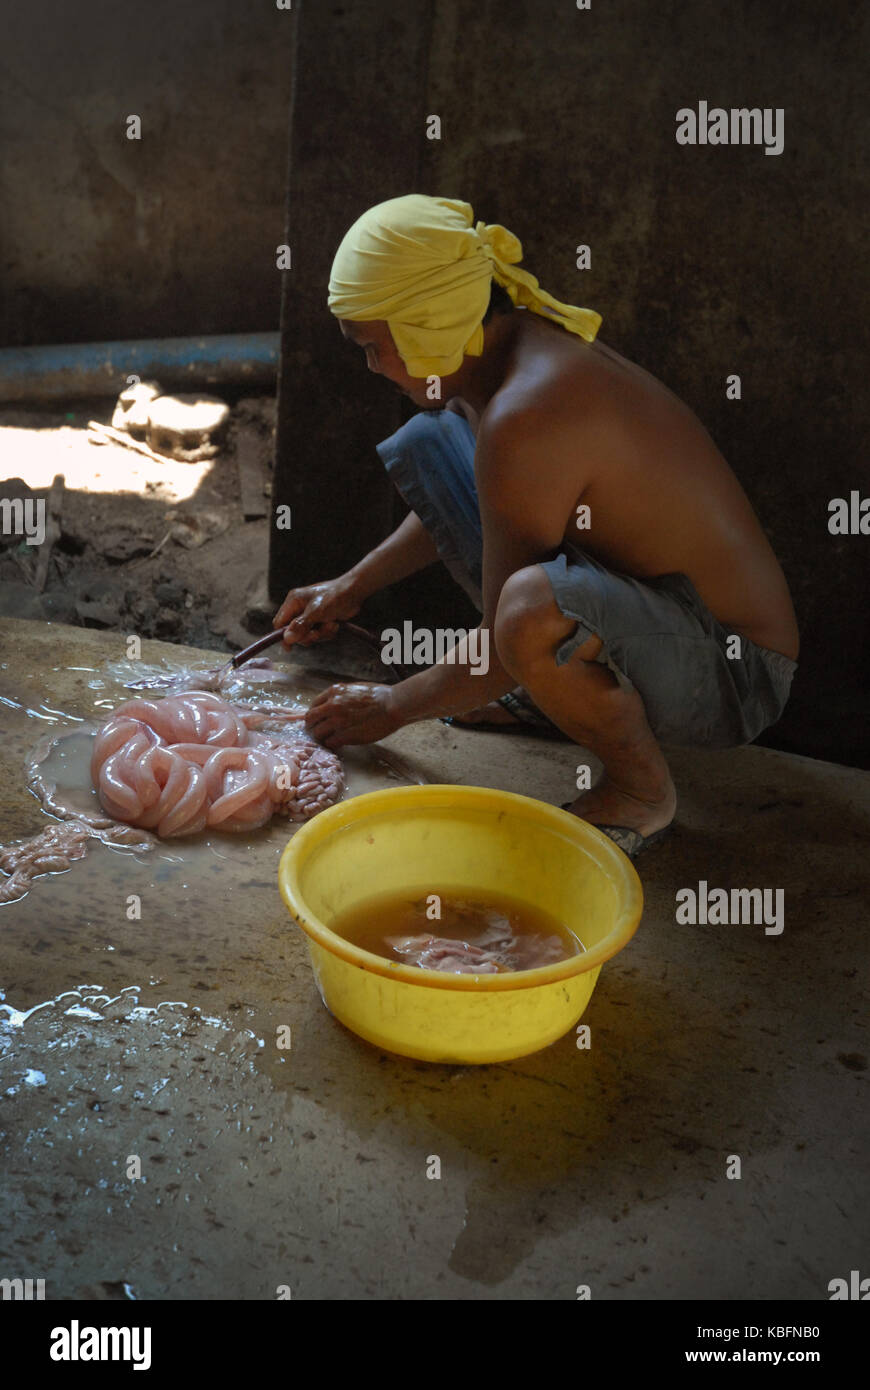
{"x": 430, "y": 459}
{"x": 584, "y": 699}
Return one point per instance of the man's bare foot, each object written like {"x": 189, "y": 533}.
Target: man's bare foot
{"x": 606, "y": 804}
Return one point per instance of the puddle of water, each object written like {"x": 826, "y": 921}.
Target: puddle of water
{"x": 67, "y": 765}
{"x": 177, "y": 911}
{"x": 279, "y": 685}
{"x": 142, "y": 1144}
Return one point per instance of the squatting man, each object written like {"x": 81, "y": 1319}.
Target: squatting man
{"x": 631, "y": 593}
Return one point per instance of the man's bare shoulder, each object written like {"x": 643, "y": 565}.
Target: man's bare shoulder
{"x": 541, "y": 397}
{"x": 577, "y": 397}
{"x": 537, "y": 439}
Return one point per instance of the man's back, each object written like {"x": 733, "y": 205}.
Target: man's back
{"x": 661, "y": 497}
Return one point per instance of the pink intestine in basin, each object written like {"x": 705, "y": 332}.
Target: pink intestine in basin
{"x": 192, "y": 761}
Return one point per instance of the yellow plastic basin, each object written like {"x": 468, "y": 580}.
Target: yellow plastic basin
{"x": 423, "y": 838}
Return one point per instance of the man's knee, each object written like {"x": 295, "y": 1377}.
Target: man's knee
{"x": 421, "y": 430}
{"x": 432, "y": 444}
{"x": 530, "y": 625}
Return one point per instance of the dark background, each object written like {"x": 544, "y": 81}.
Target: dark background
{"x": 559, "y": 123}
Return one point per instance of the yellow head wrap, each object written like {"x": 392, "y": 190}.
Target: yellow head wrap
{"x": 424, "y": 266}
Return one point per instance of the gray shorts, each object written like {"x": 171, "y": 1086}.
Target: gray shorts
{"x": 658, "y": 636}
{"x": 661, "y": 640}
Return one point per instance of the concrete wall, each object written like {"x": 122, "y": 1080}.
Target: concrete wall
{"x": 706, "y": 261}
{"x": 103, "y": 237}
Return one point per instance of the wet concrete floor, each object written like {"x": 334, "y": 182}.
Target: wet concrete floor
{"x": 156, "y": 1040}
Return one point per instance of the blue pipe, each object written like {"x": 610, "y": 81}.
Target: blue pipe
{"x": 101, "y": 369}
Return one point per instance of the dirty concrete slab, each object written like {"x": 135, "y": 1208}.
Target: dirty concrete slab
{"x": 307, "y": 1167}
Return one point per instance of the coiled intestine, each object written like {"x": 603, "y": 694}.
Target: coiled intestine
{"x": 192, "y": 761}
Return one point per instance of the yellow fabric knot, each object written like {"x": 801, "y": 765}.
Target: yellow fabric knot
{"x": 423, "y": 265}
{"x": 499, "y": 243}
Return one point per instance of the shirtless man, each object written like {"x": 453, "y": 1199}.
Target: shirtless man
{"x": 621, "y": 632}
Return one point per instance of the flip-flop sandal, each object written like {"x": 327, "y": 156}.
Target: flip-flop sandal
{"x": 631, "y": 842}
{"x": 528, "y": 720}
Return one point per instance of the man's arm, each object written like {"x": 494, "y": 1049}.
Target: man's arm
{"x": 523, "y": 520}
{"x": 405, "y": 551}
{"x": 315, "y": 610}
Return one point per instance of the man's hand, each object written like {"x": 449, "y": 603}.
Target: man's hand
{"x": 358, "y": 713}
{"x": 315, "y": 611}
